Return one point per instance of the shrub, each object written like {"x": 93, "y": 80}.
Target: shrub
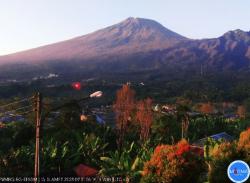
{"x": 222, "y": 155}
{"x": 244, "y": 141}
{"x": 174, "y": 163}
{"x": 17, "y": 162}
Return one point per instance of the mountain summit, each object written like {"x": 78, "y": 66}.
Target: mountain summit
{"x": 133, "y": 45}
{"x": 130, "y": 36}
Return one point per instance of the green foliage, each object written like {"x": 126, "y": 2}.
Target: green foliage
{"x": 205, "y": 126}
{"x": 221, "y": 157}
{"x": 59, "y": 155}
{"x": 60, "y": 158}
{"x": 18, "y": 162}
{"x": 16, "y": 134}
{"x": 223, "y": 154}
{"x": 69, "y": 117}
{"x": 53, "y": 157}
{"x": 166, "y": 130}
{"x": 209, "y": 146}
{"x": 88, "y": 149}
{"x": 68, "y": 142}
{"x": 208, "y": 125}
{"x": 127, "y": 164}
{"x": 23, "y": 135}
{"x": 104, "y": 132}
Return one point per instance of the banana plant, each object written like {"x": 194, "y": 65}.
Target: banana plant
{"x": 54, "y": 156}
{"x": 123, "y": 164}
{"x": 62, "y": 156}
{"x": 87, "y": 149}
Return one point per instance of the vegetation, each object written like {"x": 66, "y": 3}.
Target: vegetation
{"x": 128, "y": 163}
{"x": 225, "y": 153}
{"x": 141, "y": 146}
{"x": 173, "y": 163}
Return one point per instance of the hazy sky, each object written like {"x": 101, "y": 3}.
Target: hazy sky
{"x": 26, "y": 24}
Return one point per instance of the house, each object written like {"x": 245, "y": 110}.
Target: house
{"x": 194, "y": 114}
{"x": 156, "y": 108}
{"x": 220, "y": 136}
{"x": 9, "y": 117}
{"x": 197, "y": 150}
{"x": 231, "y": 117}
{"x": 99, "y": 119}
{"x": 168, "y": 109}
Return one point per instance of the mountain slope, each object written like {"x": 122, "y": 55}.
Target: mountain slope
{"x": 230, "y": 51}
{"x": 134, "y": 45}
{"x": 130, "y": 36}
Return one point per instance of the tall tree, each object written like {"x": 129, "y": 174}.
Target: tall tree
{"x": 123, "y": 108}
{"x": 183, "y": 117}
{"x": 144, "y": 116}
{"x": 241, "y": 111}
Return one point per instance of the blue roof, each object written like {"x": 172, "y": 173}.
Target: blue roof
{"x": 11, "y": 118}
{"x": 99, "y": 119}
{"x": 222, "y": 135}
{"x": 218, "y": 136}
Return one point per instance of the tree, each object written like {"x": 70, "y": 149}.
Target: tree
{"x": 241, "y": 111}
{"x": 123, "y": 108}
{"x": 144, "y": 116}
{"x": 69, "y": 117}
{"x": 166, "y": 130}
{"x": 244, "y": 141}
{"x": 225, "y": 153}
{"x": 17, "y": 162}
{"x": 173, "y": 163}
{"x": 207, "y": 108}
{"x": 183, "y": 117}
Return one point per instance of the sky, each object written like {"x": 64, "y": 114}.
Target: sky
{"x": 26, "y": 24}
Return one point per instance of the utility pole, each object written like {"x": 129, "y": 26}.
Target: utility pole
{"x": 38, "y": 124}
{"x": 39, "y": 119}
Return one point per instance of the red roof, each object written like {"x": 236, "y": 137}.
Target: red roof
{"x": 85, "y": 171}
{"x": 197, "y": 150}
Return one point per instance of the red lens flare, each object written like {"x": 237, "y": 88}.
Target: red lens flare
{"x": 77, "y": 85}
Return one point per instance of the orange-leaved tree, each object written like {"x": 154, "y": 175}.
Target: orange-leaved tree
{"x": 241, "y": 111}
{"x": 225, "y": 153}
{"x": 123, "y": 107}
{"x": 175, "y": 163}
{"x": 244, "y": 143}
{"x": 144, "y": 116}
{"x": 207, "y": 108}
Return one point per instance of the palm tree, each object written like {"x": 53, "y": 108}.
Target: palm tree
{"x": 183, "y": 117}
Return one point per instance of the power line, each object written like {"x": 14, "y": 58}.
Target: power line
{"x": 16, "y": 102}
{"x": 19, "y": 114}
{"x": 18, "y": 109}
{"x": 16, "y": 116}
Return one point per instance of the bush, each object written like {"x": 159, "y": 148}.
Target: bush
{"x": 17, "y": 162}
{"x": 174, "y": 163}
{"x": 222, "y": 155}
{"x": 244, "y": 141}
